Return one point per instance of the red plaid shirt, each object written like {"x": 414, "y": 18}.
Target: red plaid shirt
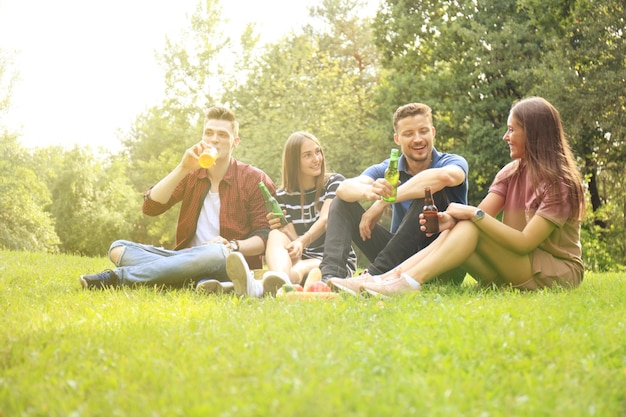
{"x": 242, "y": 212}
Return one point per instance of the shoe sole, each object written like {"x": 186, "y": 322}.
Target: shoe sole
{"x": 214, "y": 287}
{"x": 271, "y": 284}
{"x": 381, "y": 295}
{"x": 374, "y": 293}
{"x": 237, "y": 271}
{"x": 334, "y": 285}
{"x": 86, "y": 286}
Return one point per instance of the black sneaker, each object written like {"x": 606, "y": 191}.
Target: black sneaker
{"x": 104, "y": 279}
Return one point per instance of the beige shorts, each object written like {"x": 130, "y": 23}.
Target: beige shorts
{"x": 549, "y": 272}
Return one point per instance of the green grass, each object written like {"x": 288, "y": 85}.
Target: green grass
{"x": 443, "y": 352}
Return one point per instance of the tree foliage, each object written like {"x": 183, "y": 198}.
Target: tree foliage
{"x": 321, "y": 80}
{"x": 463, "y": 59}
{"x": 24, "y": 224}
{"x": 195, "y": 70}
{"x": 92, "y": 202}
{"x": 584, "y": 72}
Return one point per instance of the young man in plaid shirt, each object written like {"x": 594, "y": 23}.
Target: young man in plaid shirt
{"x": 222, "y": 210}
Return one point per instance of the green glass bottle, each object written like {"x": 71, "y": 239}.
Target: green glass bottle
{"x": 392, "y": 175}
{"x": 271, "y": 204}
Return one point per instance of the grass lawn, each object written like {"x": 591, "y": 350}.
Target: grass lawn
{"x": 442, "y": 352}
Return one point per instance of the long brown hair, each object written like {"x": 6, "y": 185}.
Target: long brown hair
{"x": 292, "y": 176}
{"x": 547, "y": 153}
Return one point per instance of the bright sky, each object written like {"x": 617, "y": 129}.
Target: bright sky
{"x": 88, "y": 68}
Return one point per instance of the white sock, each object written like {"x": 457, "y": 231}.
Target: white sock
{"x": 410, "y": 280}
{"x": 257, "y": 287}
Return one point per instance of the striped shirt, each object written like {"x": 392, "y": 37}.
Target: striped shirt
{"x": 303, "y": 216}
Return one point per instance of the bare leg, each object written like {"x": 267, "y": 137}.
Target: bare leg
{"x": 278, "y": 259}
{"x": 302, "y": 268}
{"x": 276, "y": 256}
{"x": 115, "y": 254}
{"x": 500, "y": 265}
{"x": 451, "y": 251}
{"x": 482, "y": 256}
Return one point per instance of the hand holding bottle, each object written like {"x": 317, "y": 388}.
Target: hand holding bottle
{"x": 429, "y": 213}
{"x": 275, "y": 221}
{"x": 392, "y": 175}
{"x": 446, "y": 221}
{"x": 272, "y": 205}
{"x": 379, "y": 190}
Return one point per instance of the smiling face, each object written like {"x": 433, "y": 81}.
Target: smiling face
{"x": 311, "y": 159}
{"x": 303, "y": 162}
{"x": 415, "y": 136}
{"x": 516, "y": 138}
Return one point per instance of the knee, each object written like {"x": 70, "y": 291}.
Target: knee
{"x": 116, "y": 251}
{"x": 334, "y": 205}
{"x": 338, "y": 206}
{"x": 274, "y": 234}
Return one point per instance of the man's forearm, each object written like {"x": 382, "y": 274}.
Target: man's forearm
{"x": 163, "y": 190}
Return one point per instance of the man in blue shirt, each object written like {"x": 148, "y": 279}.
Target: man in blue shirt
{"x": 420, "y": 165}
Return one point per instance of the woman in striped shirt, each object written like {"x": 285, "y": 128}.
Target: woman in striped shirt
{"x": 305, "y": 196}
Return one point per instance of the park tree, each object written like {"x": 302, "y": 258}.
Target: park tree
{"x": 321, "y": 79}
{"x": 303, "y": 82}
{"x": 92, "y": 202}
{"x": 585, "y": 73}
{"x": 24, "y": 224}
{"x": 464, "y": 59}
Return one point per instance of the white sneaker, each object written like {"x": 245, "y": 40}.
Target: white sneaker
{"x": 241, "y": 276}
{"x": 213, "y": 286}
{"x": 272, "y": 281}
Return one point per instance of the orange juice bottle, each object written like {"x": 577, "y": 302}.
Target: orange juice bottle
{"x": 208, "y": 157}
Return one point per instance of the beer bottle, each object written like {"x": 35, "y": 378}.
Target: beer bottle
{"x": 430, "y": 212}
{"x": 271, "y": 204}
{"x": 392, "y": 175}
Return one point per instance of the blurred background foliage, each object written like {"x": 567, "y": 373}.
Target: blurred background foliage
{"x": 341, "y": 77}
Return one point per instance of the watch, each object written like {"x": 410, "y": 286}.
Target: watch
{"x": 234, "y": 245}
{"x": 478, "y": 216}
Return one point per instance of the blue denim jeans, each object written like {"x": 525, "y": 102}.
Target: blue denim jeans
{"x": 149, "y": 265}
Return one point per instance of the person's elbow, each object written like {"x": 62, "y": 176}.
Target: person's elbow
{"x": 453, "y": 177}
{"x": 341, "y": 192}
{"x": 522, "y": 246}
{"x": 346, "y": 193}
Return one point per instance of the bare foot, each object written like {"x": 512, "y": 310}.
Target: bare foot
{"x": 315, "y": 275}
